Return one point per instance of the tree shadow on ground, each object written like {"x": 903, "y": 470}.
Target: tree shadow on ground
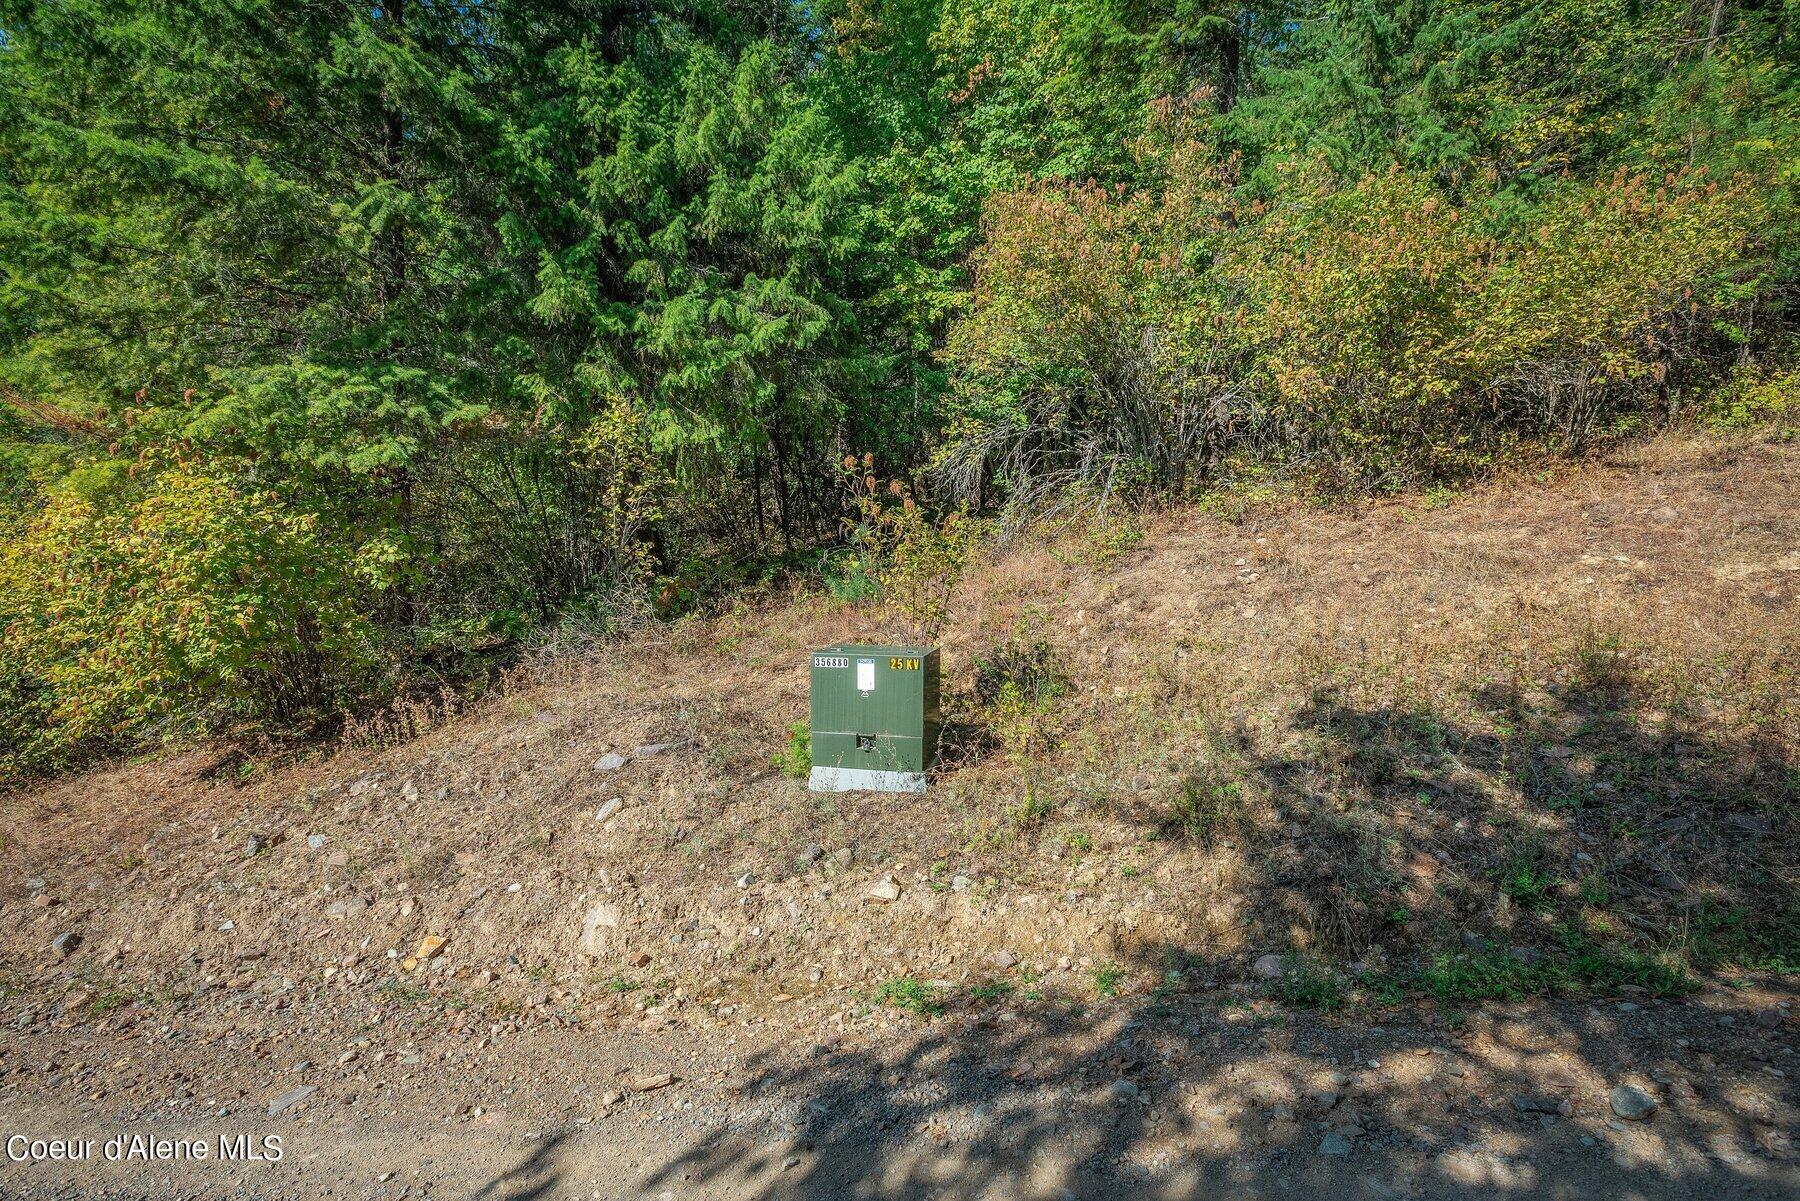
{"x": 1199, "y": 1095}
{"x": 1567, "y": 841}
{"x": 539, "y": 1173}
{"x": 1489, "y": 924}
{"x": 1550, "y": 827}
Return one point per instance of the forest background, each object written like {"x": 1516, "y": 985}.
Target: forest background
{"x": 346, "y": 350}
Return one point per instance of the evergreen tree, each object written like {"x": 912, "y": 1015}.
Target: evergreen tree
{"x": 537, "y": 308}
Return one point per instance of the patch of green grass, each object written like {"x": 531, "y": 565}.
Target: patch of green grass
{"x": 1496, "y": 976}
{"x": 1592, "y": 890}
{"x": 1107, "y": 979}
{"x": 909, "y": 993}
{"x": 107, "y": 1001}
{"x": 402, "y": 993}
{"x": 1104, "y": 542}
{"x": 1018, "y": 686}
{"x": 1384, "y": 989}
{"x": 1025, "y": 817}
{"x": 1527, "y": 885}
{"x": 1030, "y": 978}
{"x": 1314, "y": 988}
{"x": 1774, "y": 965}
{"x": 1173, "y": 981}
{"x": 620, "y": 985}
{"x": 794, "y": 759}
{"x": 1716, "y": 937}
{"x": 1602, "y": 665}
{"x": 993, "y": 990}
{"x": 1479, "y": 978}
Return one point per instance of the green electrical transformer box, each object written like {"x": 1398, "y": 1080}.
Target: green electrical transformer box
{"x": 874, "y": 718}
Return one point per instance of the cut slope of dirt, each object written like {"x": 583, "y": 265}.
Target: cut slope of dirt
{"x": 1407, "y": 709}
{"x": 1538, "y": 737}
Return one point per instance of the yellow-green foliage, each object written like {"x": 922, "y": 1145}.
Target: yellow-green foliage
{"x": 185, "y": 601}
{"x": 1378, "y": 330}
{"x": 632, "y": 486}
{"x": 1356, "y": 296}
{"x": 1751, "y": 396}
{"x": 1097, "y": 356}
{"x": 917, "y": 561}
{"x": 1019, "y": 684}
{"x": 794, "y": 759}
{"x": 1405, "y": 339}
{"x": 1209, "y": 806}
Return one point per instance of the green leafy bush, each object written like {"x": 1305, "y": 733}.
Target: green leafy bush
{"x": 849, "y": 578}
{"x": 1750, "y": 396}
{"x": 1376, "y": 330}
{"x": 1099, "y": 357}
{"x": 1404, "y": 339}
{"x": 170, "y": 607}
{"x": 917, "y": 562}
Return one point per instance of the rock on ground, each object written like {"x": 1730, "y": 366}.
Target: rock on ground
{"x": 1631, "y": 1102}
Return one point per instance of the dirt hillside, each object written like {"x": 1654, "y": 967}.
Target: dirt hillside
{"x": 1269, "y": 776}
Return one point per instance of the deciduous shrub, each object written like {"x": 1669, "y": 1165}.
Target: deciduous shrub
{"x": 1402, "y": 339}
{"x": 1356, "y": 298}
{"x": 1376, "y": 331}
{"x": 1751, "y": 396}
{"x": 916, "y": 562}
{"x": 181, "y": 602}
{"x": 1098, "y": 356}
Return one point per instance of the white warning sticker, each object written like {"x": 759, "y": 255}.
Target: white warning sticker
{"x": 865, "y": 675}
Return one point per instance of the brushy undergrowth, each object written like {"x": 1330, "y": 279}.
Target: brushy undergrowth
{"x": 1209, "y": 806}
{"x": 1018, "y": 686}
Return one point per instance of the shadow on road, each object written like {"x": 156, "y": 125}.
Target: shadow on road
{"x": 539, "y": 1173}
{"x": 1203, "y": 1096}
{"x": 1564, "y": 844}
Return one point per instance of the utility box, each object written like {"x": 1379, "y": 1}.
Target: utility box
{"x": 874, "y": 718}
